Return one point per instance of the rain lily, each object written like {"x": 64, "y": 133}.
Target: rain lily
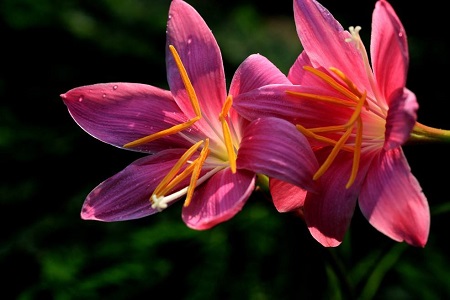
{"x": 356, "y": 116}
{"x": 200, "y": 149}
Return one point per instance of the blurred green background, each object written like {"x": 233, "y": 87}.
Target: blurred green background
{"x": 49, "y": 165}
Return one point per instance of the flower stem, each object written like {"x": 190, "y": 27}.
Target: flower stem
{"x": 262, "y": 182}
{"x": 425, "y": 134}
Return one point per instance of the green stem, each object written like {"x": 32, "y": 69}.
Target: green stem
{"x": 422, "y": 133}
{"x": 262, "y": 181}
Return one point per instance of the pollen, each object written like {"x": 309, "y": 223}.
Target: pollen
{"x": 351, "y": 98}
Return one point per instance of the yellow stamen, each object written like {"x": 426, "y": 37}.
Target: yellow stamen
{"x": 162, "y": 133}
{"x": 187, "y": 82}
{"x": 196, "y": 172}
{"x": 332, "y": 82}
{"x": 227, "y": 133}
{"x": 328, "y": 99}
{"x": 333, "y": 154}
{"x": 173, "y": 172}
{"x": 356, "y": 116}
{"x": 347, "y": 81}
{"x": 192, "y": 97}
{"x": 308, "y": 133}
{"x": 357, "y": 154}
{"x": 180, "y": 177}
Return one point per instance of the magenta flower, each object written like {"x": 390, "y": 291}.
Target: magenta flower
{"x": 356, "y": 116}
{"x": 201, "y": 149}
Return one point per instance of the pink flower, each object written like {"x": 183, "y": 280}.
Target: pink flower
{"x": 356, "y": 116}
{"x": 201, "y": 149}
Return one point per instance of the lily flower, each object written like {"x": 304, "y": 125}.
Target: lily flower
{"x": 199, "y": 148}
{"x": 357, "y": 116}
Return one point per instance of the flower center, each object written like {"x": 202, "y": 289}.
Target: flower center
{"x": 185, "y": 167}
{"x": 353, "y": 99}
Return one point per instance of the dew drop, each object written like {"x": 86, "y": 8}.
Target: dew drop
{"x": 115, "y": 87}
{"x": 400, "y": 34}
{"x": 80, "y": 99}
{"x": 104, "y": 95}
{"x": 189, "y": 41}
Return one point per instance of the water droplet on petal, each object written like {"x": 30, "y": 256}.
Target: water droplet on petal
{"x": 115, "y": 87}
{"x": 400, "y": 34}
{"x": 104, "y": 95}
{"x": 80, "y": 99}
{"x": 189, "y": 41}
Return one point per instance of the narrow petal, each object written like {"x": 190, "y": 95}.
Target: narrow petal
{"x": 200, "y": 54}
{"x": 256, "y": 71}
{"x": 393, "y": 202}
{"x": 126, "y": 195}
{"x": 274, "y": 147}
{"x": 389, "y": 49}
{"x": 119, "y": 113}
{"x": 286, "y": 197}
{"x": 402, "y": 116}
{"x": 219, "y": 199}
{"x": 324, "y": 39}
{"x": 328, "y": 214}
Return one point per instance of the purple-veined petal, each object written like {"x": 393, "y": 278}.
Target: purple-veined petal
{"x": 274, "y": 147}
{"x": 285, "y": 196}
{"x": 219, "y": 199}
{"x": 126, "y": 195}
{"x": 254, "y": 72}
{"x": 389, "y": 49}
{"x": 402, "y": 116}
{"x": 200, "y": 54}
{"x": 119, "y": 113}
{"x": 393, "y": 202}
{"x": 324, "y": 39}
{"x": 328, "y": 213}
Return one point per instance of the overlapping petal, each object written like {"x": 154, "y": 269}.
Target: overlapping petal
{"x": 285, "y": 196}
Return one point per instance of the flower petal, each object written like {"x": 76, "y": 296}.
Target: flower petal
{"x": 200, "y": 54}
{"x": 219, "y": 199}
{"x": 324, "y": 39}
{"x": 254, "y": 72}
{"x": 274, "y": 147}
{"x": 286, "y": 197}
{"x": 126, "y": 195}
{"x": 389, "y": 49}
{"x": 393, "y": 202}
{"x": 119, "y": 113}
{"x": 402, "y": 116}
{"x": 328, "y": 213}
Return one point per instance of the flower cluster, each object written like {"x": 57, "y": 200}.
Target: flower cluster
{"x": 327, "y": 136}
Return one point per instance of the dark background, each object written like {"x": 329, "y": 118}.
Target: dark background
{"x": 48, "y": 165}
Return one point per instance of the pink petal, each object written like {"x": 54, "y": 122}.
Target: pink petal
{"x": 273, "y": 101}
{"x": 323, "y": 38}
{"x": 393, "y": 202}
{"x": 118, "y": 113}
{"x": 389, "y": 49}
{"x": 200, "y": 54}
{"x": 286, "y": 197}
{"x": 126, "y": 195}
{"x": 219, "y": 199}
{"x": 402, "y": 116}
{"x": 328, "y": 213}
{"x": 274, "y": 147}
{"x": 256, "y": 71}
